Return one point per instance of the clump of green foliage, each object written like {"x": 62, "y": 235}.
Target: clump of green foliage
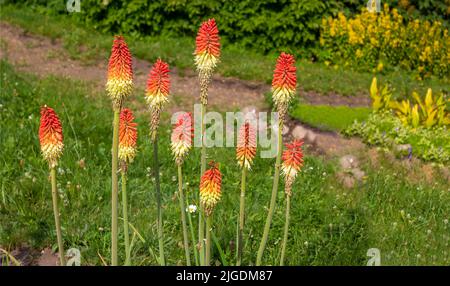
{"x": 384, "y": 129}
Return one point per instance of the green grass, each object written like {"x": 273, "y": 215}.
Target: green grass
{"x": 331, "y": 118}
{"x": 330, "y": 225}
{"x": 89, "y": 45}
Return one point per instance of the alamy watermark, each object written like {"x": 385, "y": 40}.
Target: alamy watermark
{"x": 375, "y": 257}
{"x": 73, "y": 6}
{"x": 374, "y": 6}
{"x": 217, "y": 134}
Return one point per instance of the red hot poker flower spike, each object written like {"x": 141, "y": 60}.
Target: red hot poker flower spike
{"x": 127, "y": 136}
{"x": 292, "y": 162}
{"x": 284, "y": 79}
{"x": 182, "y": 134}
{"x": 207, "y": 50}
{"x": 120, "y": 71}
{"x": 158, "y": 84}
{"x": 210, "y": 185}
{"x": 246, "y": 145}
{"x": 50, "y": 136}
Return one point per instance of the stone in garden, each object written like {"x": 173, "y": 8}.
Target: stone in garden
{"x": 285, "y": 130}
{"x": 311, "y": 137}
{"x": 348, "y": 162}
{"x": 403, "y": 150}
{"x": 299, "y": 132}
{"x": 358, "y": 174}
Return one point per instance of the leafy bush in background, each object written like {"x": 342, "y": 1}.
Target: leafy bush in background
{"x": 370, "y": 40}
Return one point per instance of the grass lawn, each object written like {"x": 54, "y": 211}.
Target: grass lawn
{"x": 87, "y": 44}
{"x": 331, "y": 118}
{"x": 407, "y": 220}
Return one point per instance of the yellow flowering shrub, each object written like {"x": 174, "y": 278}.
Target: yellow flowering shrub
{"x": 372, "y": 41}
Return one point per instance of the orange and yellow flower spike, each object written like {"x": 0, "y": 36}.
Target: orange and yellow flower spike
{"x": 207, "y": 49}
{"x": 284, "y": 82}
{"x": 120, "y": 72}
{"x": 181, "y": 139}
{"x": 158, "y": 84}
{"x": 207, "y": 54}
{"x": 157, "y": 92}
{"x": 127, "y": 136}
{"x": 210, "y": 194}
{"x": 246, "y": 145}
{"x": 50, "y": 136}
{"x": 210, "y": 185}
{"x": 292, "y": 162}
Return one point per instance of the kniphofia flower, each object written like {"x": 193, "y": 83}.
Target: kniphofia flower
{"x": 181, "y": 139}
{"x": 207, "y": 53}
{"x": 292, "y": 163}
{"x": 50, "y": 136}
{"x": 246, "y": 145}
{"x": 207, "y": 50}
{"x": 284, "y": 82}
{"x": 158, "y": 84}
{"x": 210, "y": 185}
{"x": 127, "y": 136}
{"x": 120, "y": 72}
{"x": 157, "y": 92}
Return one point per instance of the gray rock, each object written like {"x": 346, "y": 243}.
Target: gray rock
{"x": 299, "y": 132}
{"x": 311, "y": 137}
{"x": 348, "y": 162}
{"x": 285, "y": 130}
{"x": 358, "y": 174}
{"x": 403, "y": 150}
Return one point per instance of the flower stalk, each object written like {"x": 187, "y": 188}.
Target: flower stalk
{"x": 157, "y": 92}
{"x": 292, "y": 162}
{"x": 127, "y": 152}
{"x": 51, "y": 141}
{"x": 283, "y": 90}
{"x": 207, "y": 53}
{"x": 118, "y": 86}
{"x": 183, "y": 216}
{"x": 245, "y": 152}
{"x": 181, "y": 143}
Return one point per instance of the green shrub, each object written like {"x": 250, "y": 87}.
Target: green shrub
{"x": 385, "y": 130}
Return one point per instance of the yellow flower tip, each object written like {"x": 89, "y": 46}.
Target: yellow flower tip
{"x": 210, "y": 188}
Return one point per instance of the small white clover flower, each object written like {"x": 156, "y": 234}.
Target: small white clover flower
{"x": 191, "y": 209}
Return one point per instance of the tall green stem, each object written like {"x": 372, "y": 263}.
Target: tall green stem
{"x": 276, "y": 176}
{"x": 62, "y": 259}
{"x": 286, "y": 228}
{"x": 125, "y": 219}
{"x": 201, "y": 223}
{"x": 191, "y": 228}
{"x": 241, "y": 218}
{"x": 183, "y": 216}
{"x": 115, "y": 191}
{"x": 158, "y": 201}
{"x": 208, "y": 240}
